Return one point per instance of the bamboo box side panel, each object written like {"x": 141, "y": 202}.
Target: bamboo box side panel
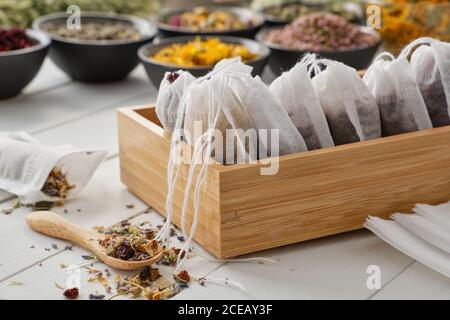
{"x": 329, "y": 191}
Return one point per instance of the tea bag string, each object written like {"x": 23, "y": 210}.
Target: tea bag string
{"x": 414, "y": 45}
{"x": 163, "y": 235}
{"x": 202, "y": 174}
{"x": 172, "y": 177}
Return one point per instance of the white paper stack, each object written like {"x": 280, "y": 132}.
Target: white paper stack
{"x": 423, "y": 235}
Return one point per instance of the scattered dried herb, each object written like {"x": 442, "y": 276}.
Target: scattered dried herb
{"x": 170, "y": 256}
{"x": 88, "y": 257}
{"x": 47, "y": 249}
{"x": 43, "y": 205}
{"x": 71, "y": 293}
{"x": 32, "y": 247}
{"x": 59, "y": 286}
{"x": 130, "y": 206}
{"x": 7, "y": 211}
{"x": 57, "y": 185}
{"x": 149, "y": 274}
{"x": 62, "y": 265}
{"x": 93, "y": 296}
{"x": 55, "y": 246}
{"x": 181, "y": 238}
{"x": 183, "y": 276}
{"x": 15, "y": 283}
{"x": 128, "y": 242}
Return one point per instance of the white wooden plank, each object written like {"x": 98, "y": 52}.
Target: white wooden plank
{"x": 330, "y": 268}
{"x": 49, "y": 77}
{"x": 102, "y": 202}
{"x": 39, "y": 280}
{"x": 96, "y": 131}
{"x": 416, "y": 283}
{"x": 67, "y": 103}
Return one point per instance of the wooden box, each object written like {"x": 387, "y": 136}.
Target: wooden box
{"x": 315, "y": 194}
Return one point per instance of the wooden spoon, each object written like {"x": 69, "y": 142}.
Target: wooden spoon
{"x": 54, "y": 225}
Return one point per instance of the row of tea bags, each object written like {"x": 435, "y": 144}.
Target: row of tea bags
{"x": 325, "y": 100}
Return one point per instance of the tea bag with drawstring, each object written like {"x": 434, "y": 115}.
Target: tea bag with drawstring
{"x": 295, "y": 92}
{"x": 430, "y": 63}
{"x": 249, "y": 105}
{"x": 393, "y": 84}
{"x": 25, "y": 167}
{"x": 227, "y": 99}
{"x": 350, "y": 109}
{"x": 170, "y": 92}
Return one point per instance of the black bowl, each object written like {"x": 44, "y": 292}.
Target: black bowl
{"x": 96, "y": 60}
{"x": 272, "y": 21}
{"x": 156, "y": 69}
{"x": 283, "y": 59}
{"x": 167, "y": 30}
{"x": 19, "y": 67}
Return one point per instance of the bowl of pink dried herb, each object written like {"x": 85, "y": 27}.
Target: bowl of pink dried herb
{"x": 21, "y": 55}
{"x": 329, "y": 35}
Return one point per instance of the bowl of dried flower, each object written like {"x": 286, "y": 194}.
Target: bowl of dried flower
{"x": 102, "y": 47}
{"x": 21, "y": 55}
{"x": 199, "y": 54}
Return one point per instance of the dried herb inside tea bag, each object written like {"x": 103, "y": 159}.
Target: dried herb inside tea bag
{"x": 57, "y": 184}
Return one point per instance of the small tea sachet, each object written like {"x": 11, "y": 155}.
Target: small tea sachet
{"x": 295, "y": 92}
{"x": 169, "y": 97}
{"x": 394, "y": 87}
{"x": 430, "y": 62}
{"x": 36, "y": 172}
{"x": 351, "y": 111}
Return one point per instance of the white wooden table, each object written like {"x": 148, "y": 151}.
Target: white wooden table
{"x": 58, "y": 111}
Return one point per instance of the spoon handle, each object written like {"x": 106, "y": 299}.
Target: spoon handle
{"x": 54, "y": 225}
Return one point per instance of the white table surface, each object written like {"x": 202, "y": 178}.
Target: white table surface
{"x": 57, "y": 111}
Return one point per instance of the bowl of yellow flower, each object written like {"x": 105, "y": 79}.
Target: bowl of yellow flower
{"x": 405, "y": 20}
{"x": 199, "y": 54}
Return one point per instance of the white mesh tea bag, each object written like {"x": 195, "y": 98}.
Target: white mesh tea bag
{"x": 266, "y": 113}
{"x": 25, "y": 166}
{"x": 295, "y": 92}
{"x": 394, "y": 87}
{"x": 351, "y": 111}
{"x": 227, "y": 98}
{"x": 169, "y": 96}
{"x": 430, "y": 62}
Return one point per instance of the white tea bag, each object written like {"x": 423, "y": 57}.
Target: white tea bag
{"x": 295, "y": 92}
{"x": 25, "y": 166}
{"x": 394, "y": 87}
{"x": 266, "y": 113}
{"x": 351, "y": 111}
{"x": 170, "y": 93}
{"x": 215, "y": 96}
{"x": 430, "y": 62}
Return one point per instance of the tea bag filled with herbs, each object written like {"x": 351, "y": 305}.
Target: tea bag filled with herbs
{"x": 394, "y": 87}
{"x": 350, "y": 109}
{"x": 296, "y": 94}
{"x": 35, "y": 172}
{"x": 241, "y": 102}
{"x": 230, "y": 105}
{"x": 430, "y": 62}
{"x": 170, "y": 93}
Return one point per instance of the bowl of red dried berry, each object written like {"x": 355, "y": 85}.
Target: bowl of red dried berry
{"x": 21, "y": 55}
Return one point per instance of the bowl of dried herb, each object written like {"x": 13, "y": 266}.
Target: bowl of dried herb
{"x": 21, "y": 55}
{"x": 102, "y": 47}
